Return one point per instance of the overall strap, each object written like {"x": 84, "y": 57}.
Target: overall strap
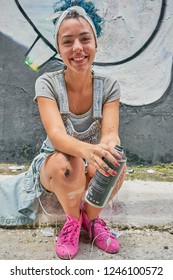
{"x": 98, "y": 95}
{"x": 63, "y": 101}
{"x": 97, "y": 102}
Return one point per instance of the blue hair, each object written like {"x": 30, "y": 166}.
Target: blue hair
{"x": 89, "y": 9}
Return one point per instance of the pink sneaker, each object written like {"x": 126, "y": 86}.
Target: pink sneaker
{"x": 67, "y": 241}
{"x": 100, "y": 234}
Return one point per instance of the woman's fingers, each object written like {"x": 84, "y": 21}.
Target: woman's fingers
{"x": 105, "y": 161}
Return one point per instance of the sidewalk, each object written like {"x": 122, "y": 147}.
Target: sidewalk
{"x": 142, "y": 213}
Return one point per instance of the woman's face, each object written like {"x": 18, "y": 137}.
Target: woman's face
{"x": 76, "y": 43}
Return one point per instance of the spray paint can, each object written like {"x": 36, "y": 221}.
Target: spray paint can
{"x": 102, "y": 186}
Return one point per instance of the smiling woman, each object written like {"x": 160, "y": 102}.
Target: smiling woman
{"x": 79, "y": 109}
{"x": 86, "y": 99}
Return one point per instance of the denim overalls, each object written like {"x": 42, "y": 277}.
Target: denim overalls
{"x": 19, "y": 195}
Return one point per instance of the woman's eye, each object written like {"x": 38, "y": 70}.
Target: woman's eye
{"x": 85, "y": 39}
{"x": 68, "y": 42}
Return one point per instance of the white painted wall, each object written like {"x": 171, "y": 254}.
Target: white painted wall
{"x": 128, "y": 26}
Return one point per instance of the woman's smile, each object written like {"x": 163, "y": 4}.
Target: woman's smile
{"x": 77, "y": 44}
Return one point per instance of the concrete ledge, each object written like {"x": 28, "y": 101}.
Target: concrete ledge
{"x": 138, "y": 203}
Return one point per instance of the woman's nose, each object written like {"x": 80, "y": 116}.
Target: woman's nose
{"x": 77, "y": 46}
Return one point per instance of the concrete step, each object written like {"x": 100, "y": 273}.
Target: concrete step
{"x": 138, "y": 203}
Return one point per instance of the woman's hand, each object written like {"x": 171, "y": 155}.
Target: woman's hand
{"x": 96, "y": 157}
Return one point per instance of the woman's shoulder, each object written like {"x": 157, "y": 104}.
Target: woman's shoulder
{"x": 49, "y": 76}
{"x": 105, "y": 76}
{"x": 111, "y": 87}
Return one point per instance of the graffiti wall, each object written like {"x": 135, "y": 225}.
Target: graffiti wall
{"x": 135, "y": 45}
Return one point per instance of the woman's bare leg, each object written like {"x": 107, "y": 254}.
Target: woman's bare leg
{"x": 65, "y": 176}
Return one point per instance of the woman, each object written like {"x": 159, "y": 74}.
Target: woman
{"x": 80, "y": 113}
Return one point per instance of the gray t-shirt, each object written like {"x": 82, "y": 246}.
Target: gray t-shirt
{"x": 47, "y": 86}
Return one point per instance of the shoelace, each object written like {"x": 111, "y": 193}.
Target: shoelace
{"x": 68, "y": 232}
{"x": 102, "y": 224}
{"x": 102, "y": 228}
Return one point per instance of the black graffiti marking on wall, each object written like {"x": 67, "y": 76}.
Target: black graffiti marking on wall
{"x": 146, "y": 44}
{"x": 40, "y": 36}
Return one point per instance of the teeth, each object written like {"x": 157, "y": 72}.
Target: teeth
{"x": 78, "y": 58}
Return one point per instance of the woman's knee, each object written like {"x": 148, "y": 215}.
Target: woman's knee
{"x": 63, "y": 167}
{"x": 70, "y": 167}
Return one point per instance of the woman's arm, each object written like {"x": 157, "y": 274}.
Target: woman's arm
{"x": 55, "y": 129}
{"x": 67, "y": 144}
{"x": 110, "y": 124}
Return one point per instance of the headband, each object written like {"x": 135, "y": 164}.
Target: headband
{"x": 61, "y": 16}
